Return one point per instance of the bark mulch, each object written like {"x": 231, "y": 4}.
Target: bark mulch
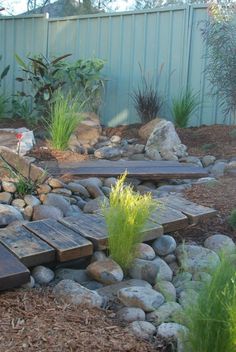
{"x": 220, "y": 195}
{"x": 34, "y": 321}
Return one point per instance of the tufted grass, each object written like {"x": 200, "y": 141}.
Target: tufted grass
{"x": 212, "y": 321}
{"x": 65, "y": 117}
{"x": 232, "y": 219}
{"x": 126, "y": 217}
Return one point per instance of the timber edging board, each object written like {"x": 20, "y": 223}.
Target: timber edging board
{"x": 12, "y": 272}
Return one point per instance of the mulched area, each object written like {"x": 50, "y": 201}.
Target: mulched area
{"x": 220, "y": 195}
{"x": 34, "y": 321}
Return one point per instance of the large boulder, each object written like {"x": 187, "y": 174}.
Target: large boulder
{"x": 146, "y": 130}
{"x": 164, "y": 143}
{"x": 8, "y": 214}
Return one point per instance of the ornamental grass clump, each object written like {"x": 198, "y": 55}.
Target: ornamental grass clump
{"x": 65, "y": 117}
{"x": 212, "y": 320}
{"x": 126, "y": 217}
{"x": 232, "y": 219}
{"x": 183, "y": 107}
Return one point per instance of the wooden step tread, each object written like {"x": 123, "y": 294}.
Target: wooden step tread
{"x": 151, "y": 170}
{"x": 171, "y": 219}
{"x": 193, "y": 211}
{"x": 68, "y": 244}
{"x": 30, "y": 249}
{"x": 12, "y": 272}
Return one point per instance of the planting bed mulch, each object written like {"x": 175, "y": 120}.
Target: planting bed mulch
{"x": 220, "y": 195}
{"x": 34, "y": 321}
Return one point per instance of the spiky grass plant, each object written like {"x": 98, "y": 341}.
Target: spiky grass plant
{"x": 183, "y": 106}
{"x": 126, "y": 217}
{"x": 65, "y": 117}
{"x": 212, "y": 321}
{"x": 232, "y": 219}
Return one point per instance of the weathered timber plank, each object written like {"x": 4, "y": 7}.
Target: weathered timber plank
{"x": 12, "y": 272}
{"x": 30, "y": 249}
{"x": 170, "y": 219}
{"x": 92, "y": 227}
{"x": 144, "y": 170}
{"x": 68, "y": 244}
{"x": 193, "y": 211}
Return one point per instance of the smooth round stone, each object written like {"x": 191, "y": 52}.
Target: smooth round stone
{"x": 164, "y": 245}
{"x": 42, "y": 275}
{"x": 46, "y": 212}
{"x": 19, "y": 203}
{"x": 31, "y": 200}
{"x": 8, "y": 186}
{"x": 78, "y": 275}
{"x": 8, "y": 214}
{"x": 181, "y": 278}
{"x": 43, "y": 189}
{"x": 164, "y": 271}
{"x": 29, "y": 284}
{"x": 144, "y": 270}
{"x": 110, "y": 181}
{"x": 115, "y": 139}
{"x": 142, "y": 329}
{"x": 170, "y": 258}
{"x": 5, "y": 197}
{"x": 94, "y": 191}
{"x": 208, "y": 160}
{"x": 62, "y": 191}
{"x": 75, "y": 293}
{"x": 172, "y": 330}
{"x": 196, "y": 258}
{"x": 193, "y": 285}
{"x": 78, "y": 189}
{"x": 28, "y": 212}
{"x": 167, "y": 289}
{"x": 130, "y": 314}
{"x": 167, "y": 312}
{"x": 202, "y": 276}
{"x": 106, "y": 191}
{"x": 144, "y": 251}
{"x": 91, "y": 181}
{"x": 55, "y": 183}
{"x": 221, "y": 244}
{"x": 141, "y": 297}
{"x": 188, "y": 298}
{"x": 92, "y": 285}
{"x": 95, "y": 204}
{"x": 59, "y": 202}
{"x": 105, "y": 271}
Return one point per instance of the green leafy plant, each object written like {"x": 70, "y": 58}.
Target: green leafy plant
{"x": 126, "y": 217}
{"x": 65, "y": 117}
{"x": 232, "y": 219}
{"x": 183, "y": 106}
{"x": 84, "y": 77}
{"x": 43, "y": 78}
{"x": 218, "y": 35}
{"x": 211, "y": 320}
{"x": 21, "y": 108}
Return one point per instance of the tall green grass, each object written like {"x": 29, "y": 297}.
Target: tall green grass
{"x": 126, "y": 217}
{"x": 183, "y": 106}
{"x": 232, "y": 219}
{"x": 212, "y": 321}
{"x": 65, "y": 117}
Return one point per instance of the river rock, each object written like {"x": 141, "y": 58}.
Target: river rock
{"x": 6, "y": 198}
{"x": 42, "y": 275}
{"x": 46, "y": 212}
{"x": 218, "y": 169}
{"x": 146, "y": 130}
{"x": 208, "y": 160}
{"x": 130, "y": 314}
{"x": 43, "y": 189}
{"x": 95, "y": 191}
{"x": 164, "y": 245}
{"x": 31, "y": 200}
{"x": 141, "y": 297}
{"x": 28, "y": 212}
{"x": 75, "y": 293}
{"x": 76, "y": 188}
{"x": 94, "y": 205}
{"x": 58, "y": 201}
{"x": 173, "y": 330}
{"x": 89, "y": 130}
{"x": 18, "y": 203}
{"x": 105, "y": 271}
{"x": 167, "y": 312}
{"x": 167, "y": 289}
{"x": 220, "y": 243}
{"x": 144, "y": 251}
{"x": 144, "y": 270}
{"x": 78, "y": 275}
{"x": 91, "y": 181}
{"x": 55, "y": 183}
{"x": 110, "y": 181}
{"x": 108, "y": 153}
{"x": 196, "y": 258}
{"x": 164, "y": 271}
{"x": 8, "y": 186}
{"x": 8, "y": 214}
{"x": 142, "y": 329}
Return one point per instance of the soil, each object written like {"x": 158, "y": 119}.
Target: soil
{"x": 34, "y": 321}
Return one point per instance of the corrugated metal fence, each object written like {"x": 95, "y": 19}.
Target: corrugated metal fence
{"x": 167, "y": 37}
